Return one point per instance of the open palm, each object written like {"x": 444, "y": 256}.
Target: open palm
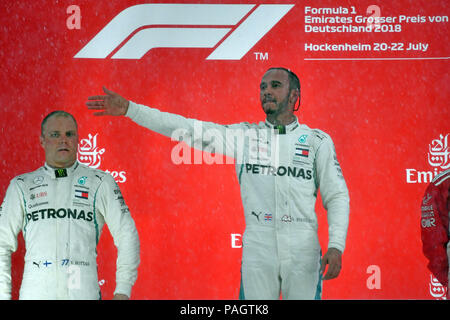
{"x": 110, "y": 104}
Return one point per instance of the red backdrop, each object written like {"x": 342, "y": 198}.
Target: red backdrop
{"x": 386, "y": 108}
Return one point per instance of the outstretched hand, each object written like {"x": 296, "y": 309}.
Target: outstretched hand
{"x": 110, "y": 104}
{"x": 333, "y": 258}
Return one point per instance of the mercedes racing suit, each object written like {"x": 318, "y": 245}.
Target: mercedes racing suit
{"x": 61, "y": 214}
{"x": 280, "y": 171}
{"x": 435, "y": 227}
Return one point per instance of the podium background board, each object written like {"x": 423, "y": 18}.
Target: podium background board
{"x": 386, "y": 108}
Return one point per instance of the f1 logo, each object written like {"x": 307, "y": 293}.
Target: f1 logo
{"x": 240, "y": 26}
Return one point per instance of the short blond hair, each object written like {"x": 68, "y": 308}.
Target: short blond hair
{"x": 57, "y": 113}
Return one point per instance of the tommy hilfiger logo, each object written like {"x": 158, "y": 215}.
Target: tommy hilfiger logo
{"x": 302, "y": 152}
{"x": 82, "y": 194}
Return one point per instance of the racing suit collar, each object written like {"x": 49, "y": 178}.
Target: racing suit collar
{"x": 60, "y": 172}
{"x": 283, "y": 129}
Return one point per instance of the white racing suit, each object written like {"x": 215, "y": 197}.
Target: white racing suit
{"x": 279, "y": 176}
{"x": 61, "y": 214}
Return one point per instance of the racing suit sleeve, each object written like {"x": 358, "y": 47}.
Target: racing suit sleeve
{"x": 201, "y": 135}
{"x": 334, "y": 193}
{"x": 434, "y": 226}
{"x": 11, "y": 221}
{"x": 123, "y": 230}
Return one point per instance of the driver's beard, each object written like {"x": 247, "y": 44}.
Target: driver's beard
{"x": 281, "y": 106}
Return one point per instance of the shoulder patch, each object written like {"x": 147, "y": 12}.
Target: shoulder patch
{"x": 319, "y": 134}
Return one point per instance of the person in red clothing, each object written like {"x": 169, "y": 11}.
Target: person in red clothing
{"x": 435, "y": 227}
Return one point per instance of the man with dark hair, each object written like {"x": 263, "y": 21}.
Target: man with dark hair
{"x": 282, "y": 165}
{"x": 61, "y": 209}
{"x": 294, "y": 82}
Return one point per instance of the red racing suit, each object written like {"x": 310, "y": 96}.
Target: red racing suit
{"x": 435, "y": 227}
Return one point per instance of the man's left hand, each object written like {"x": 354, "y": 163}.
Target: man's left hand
{"x": 120, "y": 296}
{"x": 333, "y": 258}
